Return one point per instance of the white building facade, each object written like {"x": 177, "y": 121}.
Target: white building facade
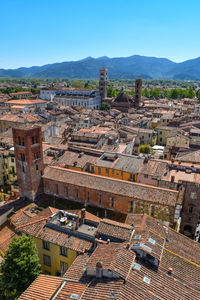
{"x": 69, "y": 97}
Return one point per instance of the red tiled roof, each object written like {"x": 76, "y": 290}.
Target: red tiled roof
{"x": 115, "y": 229}
{"x": 43, "y": 288}
{"x": 120, "y": 187}
{"x": 25, "y": 101}
{"x": 36, "y": 227}
{"x": 6, "y": 236}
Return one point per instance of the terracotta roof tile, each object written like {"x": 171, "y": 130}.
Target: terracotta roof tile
{"x": 43, "y": 288}
{"x": 120, "y": 187}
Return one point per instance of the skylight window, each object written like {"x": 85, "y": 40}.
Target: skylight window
{"x": 137, "y": 237}
{"x": 74, "y": 296}
{"x": 147, "y": 280}
{"x": 153, "y": 242}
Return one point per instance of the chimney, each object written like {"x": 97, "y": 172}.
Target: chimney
{"x": 170, "y": 271}
{"x": 83, "y": 215}
{"x": 172, "y": 178}
{"x": 99, "y": 269}
{"x": 77, "y": 223}
{"x": 127, "y": 245}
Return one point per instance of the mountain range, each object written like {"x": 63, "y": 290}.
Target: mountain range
{"x": 120, "y": 67}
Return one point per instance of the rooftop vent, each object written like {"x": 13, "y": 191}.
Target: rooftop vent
{"x": 74, "y": 296}
{"x": 136, "y": 266}
{"x": 147, "y": 280}
{"x": 170, "y": 271}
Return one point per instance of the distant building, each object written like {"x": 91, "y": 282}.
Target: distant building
{"x": 138, "y": 92}
{"x": 89, "y": 99}
{"x": 123, "y": 102}
{"x": 103, "y": 82}
{"x": 21, "y": 95}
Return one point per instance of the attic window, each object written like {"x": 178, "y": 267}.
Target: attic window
{"x": 137, "y": 237}
{"x": 151, "y": 241}
{"x": 146, "y": 247}
{"x": 147, "y": 280}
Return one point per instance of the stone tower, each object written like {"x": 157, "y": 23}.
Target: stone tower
{"x": 138, "y": 92}
{"x": 29, "y": 160}
{"x": 103, "y": 82}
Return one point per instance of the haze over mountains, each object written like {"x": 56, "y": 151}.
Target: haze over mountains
{"x": 120, "y": 67}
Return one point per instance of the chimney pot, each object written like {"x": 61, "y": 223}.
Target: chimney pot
{"x": 99, "y": 269}
{"x": 127, "y": 245}
{"x": 170, "y": 271}
{"x": 83, "y": 215}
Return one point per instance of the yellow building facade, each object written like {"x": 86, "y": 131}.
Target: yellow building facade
{"x": 8, "y": 176}
{"x": 51, "y": 260}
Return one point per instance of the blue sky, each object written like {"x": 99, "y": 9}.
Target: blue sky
{"x": 37, "y": 32}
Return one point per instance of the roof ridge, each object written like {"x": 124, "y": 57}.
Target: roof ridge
{"x": 42, "y": 219}
{"x": 113, "y": 179}
{"x": 184, "y": 258}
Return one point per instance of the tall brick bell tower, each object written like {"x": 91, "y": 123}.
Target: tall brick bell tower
{"x": 29, "y": 160}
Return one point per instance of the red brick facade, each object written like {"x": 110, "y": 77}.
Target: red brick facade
{"x": 29, "y": 160}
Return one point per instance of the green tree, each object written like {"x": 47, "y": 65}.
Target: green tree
{"x": 146, "y": 93}
{"x": 146, "y": 148}
{"x": 77, "y": 84}
{"x": 20, "y": 268}
{"x": 111, "y": 92}
{"x": 198, "y": 95}
{"x": 174, "y": 94}
{"x": 105, "y": 106}
{"x": 190, "y": 93}
{"x": 155, "y": 92}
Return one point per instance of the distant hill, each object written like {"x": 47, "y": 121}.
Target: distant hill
{"x": 119, "y": 67}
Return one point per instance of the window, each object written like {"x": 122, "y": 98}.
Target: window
{"x": 131, "y": 206}
{"x": 56, "y": 188}
{"x": 160, "y": 139}
{"x": 107, "y": 170}
{"x": 152, "y": 210}
{"x": 66, "y": 191}
{"x": 145, "y": 176}
{"x": 113, "y": 171}
{"x": 63, "y": 267}
{"x": 47, "y": 260}
{"x": 88, "y": 197}
{"x": 77, "y": 194}
{"x": 23, "y": 170}
{"x": 99, "y": 170}
{"x": 22, "y": 157}
{"x": 99, "y": 199}
{"x": 63, "y": 251}
{"x": 12, "y": 160}
{"x": 36, "y": 167}
{"x": 160, "y": 132}
{"x": 36, "y": 155}
{"x": 19, "y": 140}
{"x": 193, "y": 195}
{"x": 190, "y": 209}
{"x": 33, "y": 140}
{"x": 46, "y": 245}
{"x": 112, "y": 202}
{"x": 22, "y": 141}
